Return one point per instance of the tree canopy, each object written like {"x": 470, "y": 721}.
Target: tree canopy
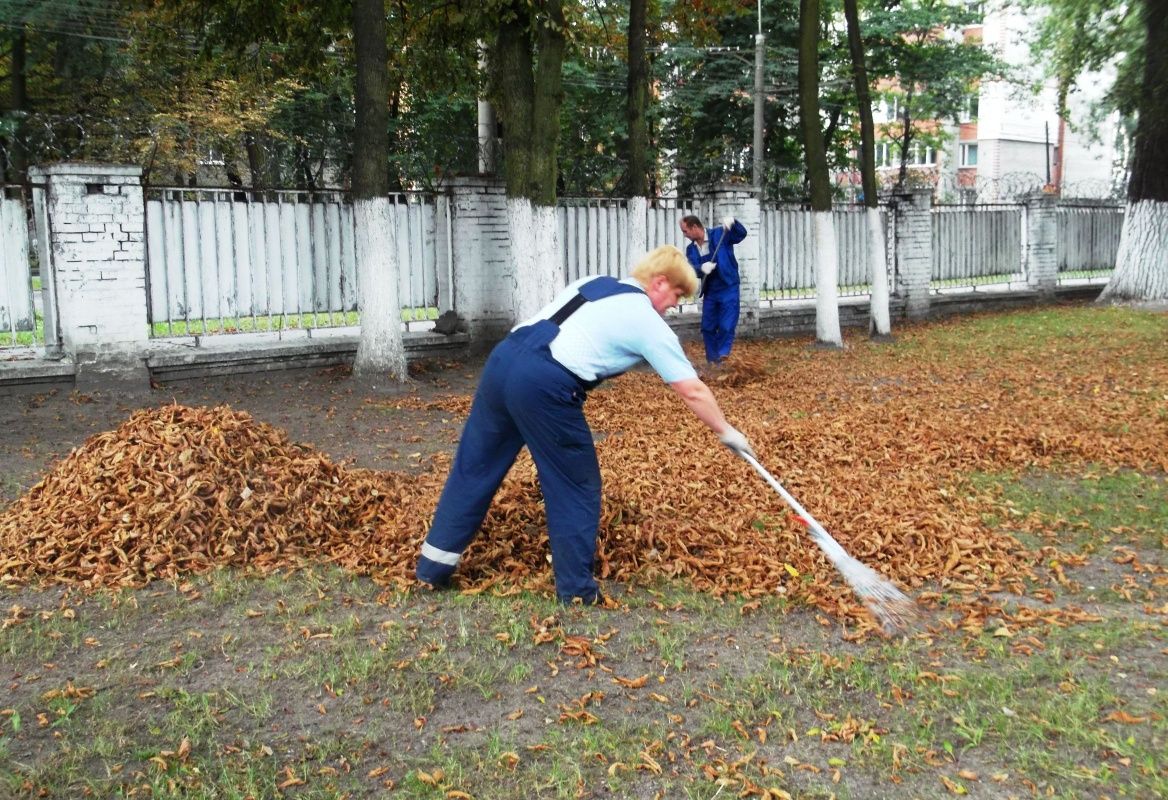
{"x": 261, "y": 93}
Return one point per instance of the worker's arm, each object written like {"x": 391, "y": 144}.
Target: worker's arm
{"x": 695, "y": 394}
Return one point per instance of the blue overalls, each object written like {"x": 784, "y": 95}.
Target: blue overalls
{"x": 527, "y": 397}
{"x": 719, "y": 290}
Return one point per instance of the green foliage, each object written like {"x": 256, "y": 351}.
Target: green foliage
{"x": 263, "y": 90}
{"x": 592, "y": 126}
{"x": 1078, "y": 36}
{"x": 710, "y": 75}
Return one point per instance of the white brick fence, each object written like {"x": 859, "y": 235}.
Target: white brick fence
{"x": 132, "y": 281}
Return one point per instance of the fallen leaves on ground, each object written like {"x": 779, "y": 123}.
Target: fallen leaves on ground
{"x": 872, "y": 440}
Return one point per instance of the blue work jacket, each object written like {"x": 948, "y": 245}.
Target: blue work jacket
{"x": 722, "y": 243}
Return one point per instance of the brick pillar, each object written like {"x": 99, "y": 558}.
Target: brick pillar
{"x": 1040, "y": 230}
{"x": 97, "y": 262}
{"x": 742, "y": 203}
{"x": 913, "y": 250}
{"x": 481, "y": 256}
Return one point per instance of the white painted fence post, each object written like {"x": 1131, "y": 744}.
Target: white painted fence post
{"x": 97, "y": 245}
{"x": 914, "y": 250}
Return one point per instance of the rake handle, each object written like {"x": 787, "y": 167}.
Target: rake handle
{"x": 820, "y": 534}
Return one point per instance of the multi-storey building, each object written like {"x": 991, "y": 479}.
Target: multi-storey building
{"x": 1012, "y": 140}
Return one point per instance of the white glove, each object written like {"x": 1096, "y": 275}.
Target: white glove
{"x": 708, "y": 267}
{"x": 736, "y": 441}
{"x": 728, "y": 223}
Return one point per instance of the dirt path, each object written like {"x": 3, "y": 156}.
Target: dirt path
{"x": 319, "y": 407}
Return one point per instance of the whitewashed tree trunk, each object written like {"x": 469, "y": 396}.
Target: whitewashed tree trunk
{"x": 638, "y": 240}
{"x": 538, "y": 270}
{"x": 380, "y": 350}
{"x": 879, "y": 323}
{"x": 827, "y": 327}
{"x": 1141, "y": 265}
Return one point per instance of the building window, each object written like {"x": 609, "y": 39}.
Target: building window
{"x": 969, "y": 155}
{"x": 890, "y": 109}
{"x": 969, "y": 109}
{"x": 921, "y": 155}
{"x": 882, "y": 154}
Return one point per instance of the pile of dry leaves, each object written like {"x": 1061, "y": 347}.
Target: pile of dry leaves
{"x": 873, "y": 443}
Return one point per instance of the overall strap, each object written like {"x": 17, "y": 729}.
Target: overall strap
{"x": 595, "y": 289}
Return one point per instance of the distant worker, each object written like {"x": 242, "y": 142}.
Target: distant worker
{"x": 711, "y": 253}
{"x": 532, "y": 392}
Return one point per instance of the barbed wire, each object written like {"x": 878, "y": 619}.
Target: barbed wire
{"x": 1016, "y": 186}
{"x": 170, "y": 153}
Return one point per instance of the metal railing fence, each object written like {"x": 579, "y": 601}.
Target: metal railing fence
{"x": 1087, "y": 241}
{"x": 21, "y": 318}
{"x": 977, "y": 245}
{"x": 222, "y": 261}
{"x": 788, "y": 251}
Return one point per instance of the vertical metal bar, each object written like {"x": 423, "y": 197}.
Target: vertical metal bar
{"x": 342, "y": 282}
{"x": 186, "y": 288}
{"x": 235, "y": 306}
{"x": 202, "y": 266}
{"x": 216, "y": 205}
{"x": 252, "y": 266}
{"x": 326, "y": 247}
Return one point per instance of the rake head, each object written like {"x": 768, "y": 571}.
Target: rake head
{"x": 894, "y": 610}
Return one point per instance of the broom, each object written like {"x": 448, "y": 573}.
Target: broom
{"x": 891, "y": 607}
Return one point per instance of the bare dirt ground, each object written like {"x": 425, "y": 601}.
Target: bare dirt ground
{"x": 320, "y": 407}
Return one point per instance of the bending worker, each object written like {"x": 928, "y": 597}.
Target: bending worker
{"x": 711, "y": 253}
{"x": 532, "y": 393}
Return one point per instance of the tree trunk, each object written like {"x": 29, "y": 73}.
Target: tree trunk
{"x": 528, "y": 96}
{"x": 827, "y": 327}
{"x": 638, "y": 101}
{"x": 380, "y": 350}
{"x": 879, "y": 325}
{"x": 257, "y": 160}
{"x": 813, "y": 146}
{"x": 827, "y": 330}
{"x": 17, "y": 166}
{"x": 533, "y": 231}
{"x": 1141, "y": 266}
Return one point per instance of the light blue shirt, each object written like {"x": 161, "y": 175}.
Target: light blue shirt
{"x": 610, "y": 336}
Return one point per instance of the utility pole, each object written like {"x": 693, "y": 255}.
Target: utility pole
{"x": 759, "y": 42}
{"x": 759, "y": 50}
{"x": 488, "y": 126}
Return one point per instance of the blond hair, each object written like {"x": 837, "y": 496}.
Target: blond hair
{"x": 667, "y": 260}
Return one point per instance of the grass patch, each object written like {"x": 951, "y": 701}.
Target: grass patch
{"x": 267, "y": 323}
{"x": 1089, "y": 510}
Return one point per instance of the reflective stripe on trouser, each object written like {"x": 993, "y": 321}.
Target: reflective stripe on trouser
{"x": 524, "y": 397}
{"x": 719, "y": 322}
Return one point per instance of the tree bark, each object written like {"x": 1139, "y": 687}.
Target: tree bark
{"x": 813, "y": 145}
{"x": 906, "y": 139}
{"x": 380, "y": 349}
{"x": 827, "y": 330}
{"x": 17, "y": 166}
{"x": 879, "y": 325}
{"x": 528, "y": 93}
{"x": 1141, "y": 266}
{"x": 638, "y": 100}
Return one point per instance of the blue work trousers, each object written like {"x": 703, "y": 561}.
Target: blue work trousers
{"x": 719, "y": 321}
{"x": 524, "y": 397}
